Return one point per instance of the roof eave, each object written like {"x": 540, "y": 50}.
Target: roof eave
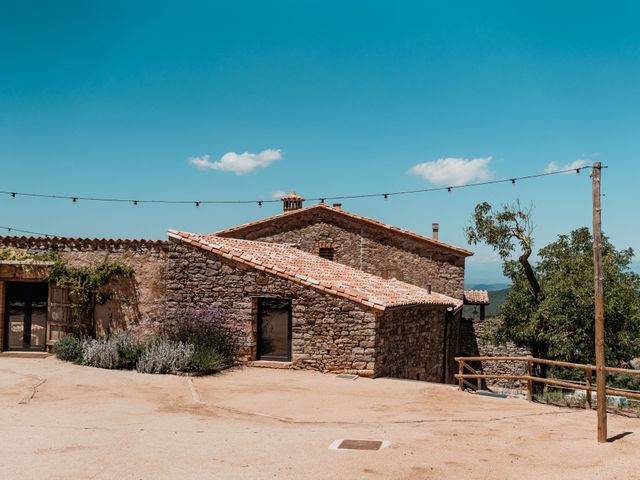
{"x": 184, "y": 237}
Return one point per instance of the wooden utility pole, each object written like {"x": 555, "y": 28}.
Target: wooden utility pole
{"x": 599, "y": 304}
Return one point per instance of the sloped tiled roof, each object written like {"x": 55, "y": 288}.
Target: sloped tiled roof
{"x": 369, "y": 221}
{"x": 49, "y": 240}
{"x": 316, "y": 272}
{"x": 476, "y": 297}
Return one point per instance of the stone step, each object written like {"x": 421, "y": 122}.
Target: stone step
{"x": 269, "y": 364}
{"x": 25, "y": 354}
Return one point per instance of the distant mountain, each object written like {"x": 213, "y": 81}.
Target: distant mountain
{"x": 487, "y": 286}
{"x": 496, "y": 298}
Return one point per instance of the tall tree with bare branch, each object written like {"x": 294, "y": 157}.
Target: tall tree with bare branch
{"x": 505, "y": 230}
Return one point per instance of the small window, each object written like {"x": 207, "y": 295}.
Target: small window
{"x": 326, "y": 252}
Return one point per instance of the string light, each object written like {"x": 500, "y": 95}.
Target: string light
{"x": 260, "y": 202}
{"x": 76, "y": 198}
{"x": 11, "y": 229}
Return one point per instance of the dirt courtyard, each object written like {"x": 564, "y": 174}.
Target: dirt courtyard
{"x": 255, "y": 423}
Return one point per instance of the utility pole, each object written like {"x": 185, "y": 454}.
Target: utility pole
{"x": 599, "y": 304}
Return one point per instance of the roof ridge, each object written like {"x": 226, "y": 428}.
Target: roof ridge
{"x": 352, "y": 215}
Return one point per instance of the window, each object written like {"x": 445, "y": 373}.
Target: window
{"x": 326, "y": 252}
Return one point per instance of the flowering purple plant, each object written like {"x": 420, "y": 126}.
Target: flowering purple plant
{"x": 207, "y": 328}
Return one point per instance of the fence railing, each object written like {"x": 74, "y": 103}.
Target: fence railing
{"x": 588, "y": 386}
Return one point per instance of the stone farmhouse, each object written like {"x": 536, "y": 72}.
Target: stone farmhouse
{"x": 317, "y": 288}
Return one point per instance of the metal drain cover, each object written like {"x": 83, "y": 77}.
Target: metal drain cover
{"x": 350, "y": 444}
{"x": 347, "y": 376}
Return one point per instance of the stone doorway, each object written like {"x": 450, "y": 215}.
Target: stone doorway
{"x": 25, "y": 321}
{"x": 274, "y": 329}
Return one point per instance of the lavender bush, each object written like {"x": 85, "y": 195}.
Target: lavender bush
{"x": 214, "y": 335}
{"x": 190, "y": 340}
{"x": 119, "y": 350}
{"x": 165, "y": 356}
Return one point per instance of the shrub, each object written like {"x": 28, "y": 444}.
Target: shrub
{"x": 101, "y": 353}
{"x": 68, "y": 348}
{"x": 215, "y": 336}
{"x": 206, "y": 359}
{"x": 164, "y": 356}
{"x": 130, "y": 348}
{"x": 120, "y": 350}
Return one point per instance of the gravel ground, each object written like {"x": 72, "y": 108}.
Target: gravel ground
{"x": 63, "y": 421}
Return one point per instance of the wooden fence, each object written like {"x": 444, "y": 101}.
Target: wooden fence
{"x": 588, "y": 386}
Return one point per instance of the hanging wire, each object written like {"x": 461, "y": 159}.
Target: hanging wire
{"x": 18, "y": 230}
{"x": 197, "y": 203}
{"x": 260, "y": 202}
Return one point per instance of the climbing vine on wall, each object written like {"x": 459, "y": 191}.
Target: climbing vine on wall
{"x": 86, "y": 285}
{"x": 20, "y": 255}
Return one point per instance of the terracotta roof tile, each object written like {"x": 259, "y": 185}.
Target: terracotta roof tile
{"x": 369, "y": 221}
{"x": 476, "y": 297}
{"x": 318, "y": 273}
{"x": 11, "y": 239}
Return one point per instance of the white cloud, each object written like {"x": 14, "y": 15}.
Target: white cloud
{"x": 238, "y": 163}
{"x": 482, "y": 259}
{"x": 278, "y": 194}
{"x": 554, "y": 167}
{"x": 453, "y": 171}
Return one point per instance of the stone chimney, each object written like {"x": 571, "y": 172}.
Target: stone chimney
{"x": 337, "y": 206}
{"x": 293, "y": 201}
{"x": 436, "y": 230}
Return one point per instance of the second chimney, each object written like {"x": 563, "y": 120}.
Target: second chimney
{"x": 337, "y": 206}
{"x": 436, "y": 230}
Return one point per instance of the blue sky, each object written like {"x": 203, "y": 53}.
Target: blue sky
{"x": 114, "y": 98}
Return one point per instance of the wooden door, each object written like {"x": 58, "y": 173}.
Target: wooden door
{"x": 60, "y": 315}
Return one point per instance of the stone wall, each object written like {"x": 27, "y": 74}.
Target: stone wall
{"x": 137, "y": 299}
{"x": 329, "y": 334}
{"x": 411, "y": 343}
{"x": 475, "y": 340}
{"x": 377, "y": 251}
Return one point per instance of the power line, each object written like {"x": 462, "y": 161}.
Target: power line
{"x": 18, "y": 230}
{"x": 259, "y": 202}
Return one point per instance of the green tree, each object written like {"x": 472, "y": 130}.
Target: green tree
{"x": 556, "y": 318}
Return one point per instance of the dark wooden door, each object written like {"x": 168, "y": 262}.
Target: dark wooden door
{"x": 26, "y": 316}
{"x": 274, "y": 329}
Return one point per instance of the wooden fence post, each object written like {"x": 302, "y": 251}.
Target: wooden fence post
{"x": 461, "y": 372}
{"x": 529, "y": 381}
{"x": 588, "y": 392}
